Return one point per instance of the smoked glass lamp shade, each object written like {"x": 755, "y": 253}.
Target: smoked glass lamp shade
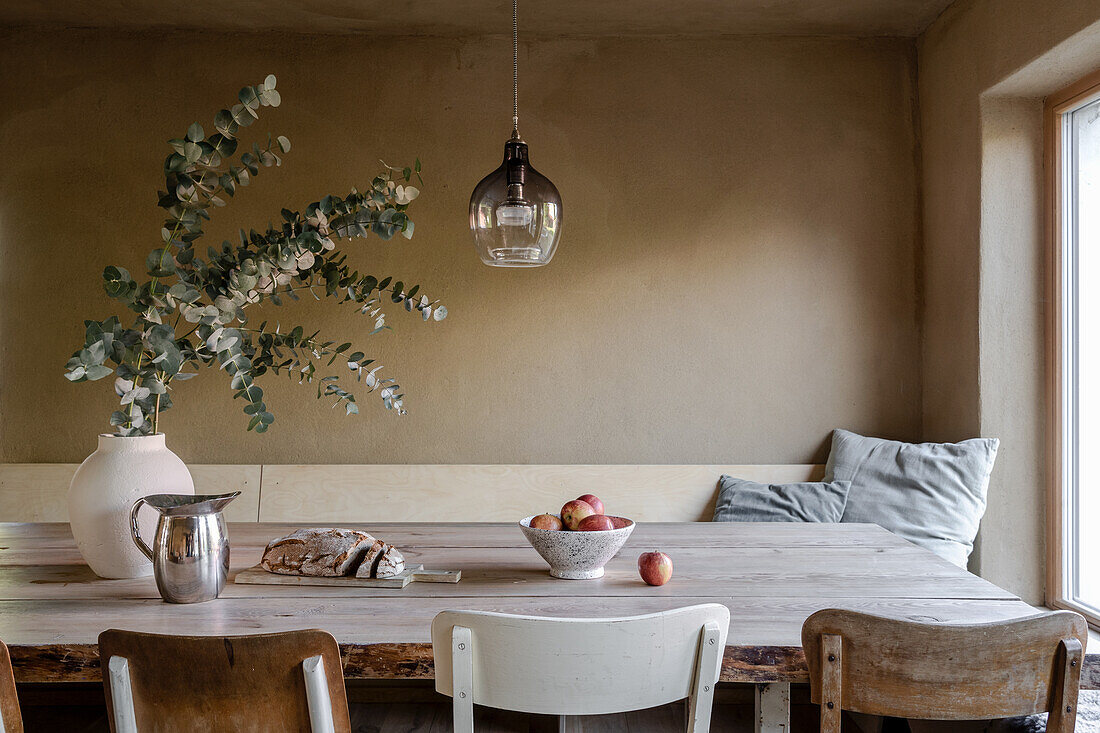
{"x": 515, "y": 213}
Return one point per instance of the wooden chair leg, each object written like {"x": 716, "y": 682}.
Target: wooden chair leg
{"x": 831, "y": 649}
{"x": 317, "y": 697}
{"x": 462, "y": 671}
{"x": 122, "y": 695}
{"x": 702, "y": 693}
{"x": 1063, "y": 714}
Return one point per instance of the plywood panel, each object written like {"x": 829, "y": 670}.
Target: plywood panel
{"x": 31, "y": 542}
{"x": 499, "y": 493}
{"x": 222, "y": 478}
{"x": 37, "y": 492}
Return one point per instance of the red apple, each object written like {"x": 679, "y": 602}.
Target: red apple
{"x": 545, "y": 521}
{"x": 619, "y": 522}
{"x": 596, "y": 523}
{"x": 655, "y": 567}
{"x": 574, "y": 511}
{"x": 592, "y": 501}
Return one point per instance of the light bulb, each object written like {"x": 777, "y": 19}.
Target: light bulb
{"x": 515, "y": 214}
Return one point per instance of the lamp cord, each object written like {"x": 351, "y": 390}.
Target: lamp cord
{"x": 515, "y": 69}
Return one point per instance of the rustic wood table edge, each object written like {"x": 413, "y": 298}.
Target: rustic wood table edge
{"x": 751, "y": 663}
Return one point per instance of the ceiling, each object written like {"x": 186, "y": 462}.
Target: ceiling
{"x": 481, "y": 17}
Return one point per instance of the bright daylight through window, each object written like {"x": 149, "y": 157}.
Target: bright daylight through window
{"x": 1080, "y": 346}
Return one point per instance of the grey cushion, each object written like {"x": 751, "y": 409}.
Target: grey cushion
{"x": 748, "y": 501}
{"x": 932, "y": 494}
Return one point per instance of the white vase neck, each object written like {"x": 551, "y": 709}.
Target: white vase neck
{"x": 109, "y": 443}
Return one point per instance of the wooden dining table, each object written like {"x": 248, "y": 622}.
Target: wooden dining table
{"x": 770, "y": 576}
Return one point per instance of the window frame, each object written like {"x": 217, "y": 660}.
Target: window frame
{"x": 1059, "y": 562}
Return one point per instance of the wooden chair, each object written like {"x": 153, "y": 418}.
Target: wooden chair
{"x": 569, "y": 666}
{"x": 11, "y": 721}
{"x": 933, "y": 671}
{"x": 291, "y": 681}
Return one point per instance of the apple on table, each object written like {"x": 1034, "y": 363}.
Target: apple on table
{"x": 655, "y": 567}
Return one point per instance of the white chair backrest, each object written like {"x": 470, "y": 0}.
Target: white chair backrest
{"x": 570, "y": 666}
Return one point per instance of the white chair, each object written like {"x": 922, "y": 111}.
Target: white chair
{"x": 580, "y": 666}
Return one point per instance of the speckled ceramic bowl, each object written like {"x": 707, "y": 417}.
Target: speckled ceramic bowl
{"x": 576, "y": 555}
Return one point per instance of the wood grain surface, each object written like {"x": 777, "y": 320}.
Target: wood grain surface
{"x": 913, "y": 669}
{"x": 770, "y": 576}
{"x": 257, "y": 575}
{"x": 422, "y": 492}
{"x": 246, "y": 683}
{"x": 36, "y": 492}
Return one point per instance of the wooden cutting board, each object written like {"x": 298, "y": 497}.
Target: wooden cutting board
{"x": 256, "y": 575}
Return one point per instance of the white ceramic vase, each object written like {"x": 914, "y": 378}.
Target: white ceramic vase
{"x": 105, "y": 487}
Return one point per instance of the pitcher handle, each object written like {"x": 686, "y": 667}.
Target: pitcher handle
{"x": 135, "y": 532}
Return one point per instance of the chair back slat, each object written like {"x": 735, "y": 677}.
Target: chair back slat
{"x": 123, "y": 717}
{"x": 937, "y": 671}
{"x": 832, "y": 660}
{"x": 1063, "y": 714}
{"x": 317, "y": 697}
{"x": 568, "y": 666}
{"x": 11, "y": 720}
{"x": 238, "y": 683}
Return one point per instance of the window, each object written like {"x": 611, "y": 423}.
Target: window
{"x": 1073, "y": 170}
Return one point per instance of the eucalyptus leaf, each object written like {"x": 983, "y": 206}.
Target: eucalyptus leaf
{"x": 225, "y": 124}
{"x": 249, "y": 98}
{"x": 98, "y": 371}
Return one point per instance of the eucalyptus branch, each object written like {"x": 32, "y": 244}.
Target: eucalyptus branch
{"x": 208, "y": 295}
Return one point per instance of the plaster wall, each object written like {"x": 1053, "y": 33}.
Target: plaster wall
{"x": 984, "y": 67}
{"x": 737, "y": 275}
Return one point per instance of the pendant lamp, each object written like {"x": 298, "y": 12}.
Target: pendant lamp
{"x": 515, "y": 211}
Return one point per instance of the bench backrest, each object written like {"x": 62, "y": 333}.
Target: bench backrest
{"x": 36, "y": 492}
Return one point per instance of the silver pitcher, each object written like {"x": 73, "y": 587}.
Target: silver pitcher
{"x": 190, "y": 553}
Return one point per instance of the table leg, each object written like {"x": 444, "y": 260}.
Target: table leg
{"x": 773, "y": 708}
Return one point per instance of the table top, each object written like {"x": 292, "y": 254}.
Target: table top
{"x": 770, "y": 576}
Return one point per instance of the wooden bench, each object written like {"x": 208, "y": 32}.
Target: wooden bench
{"x": 36, "y": 492}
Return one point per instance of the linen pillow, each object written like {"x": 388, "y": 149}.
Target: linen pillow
{"x": 749, "y": 501}
{"x": 932, "y": 494}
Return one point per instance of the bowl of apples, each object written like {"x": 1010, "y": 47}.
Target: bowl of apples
{"x": 578, "y": 541}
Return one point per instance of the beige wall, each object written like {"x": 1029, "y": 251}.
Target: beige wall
{"x": 737, "y": 274}
{"x": 984, "y": 67}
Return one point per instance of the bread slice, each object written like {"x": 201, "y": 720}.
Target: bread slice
{"x": 369, "y": 559}
{"x": 386, "y": 561}
{"x": 390, "y": 564}
{"x": 317, "y": 551}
